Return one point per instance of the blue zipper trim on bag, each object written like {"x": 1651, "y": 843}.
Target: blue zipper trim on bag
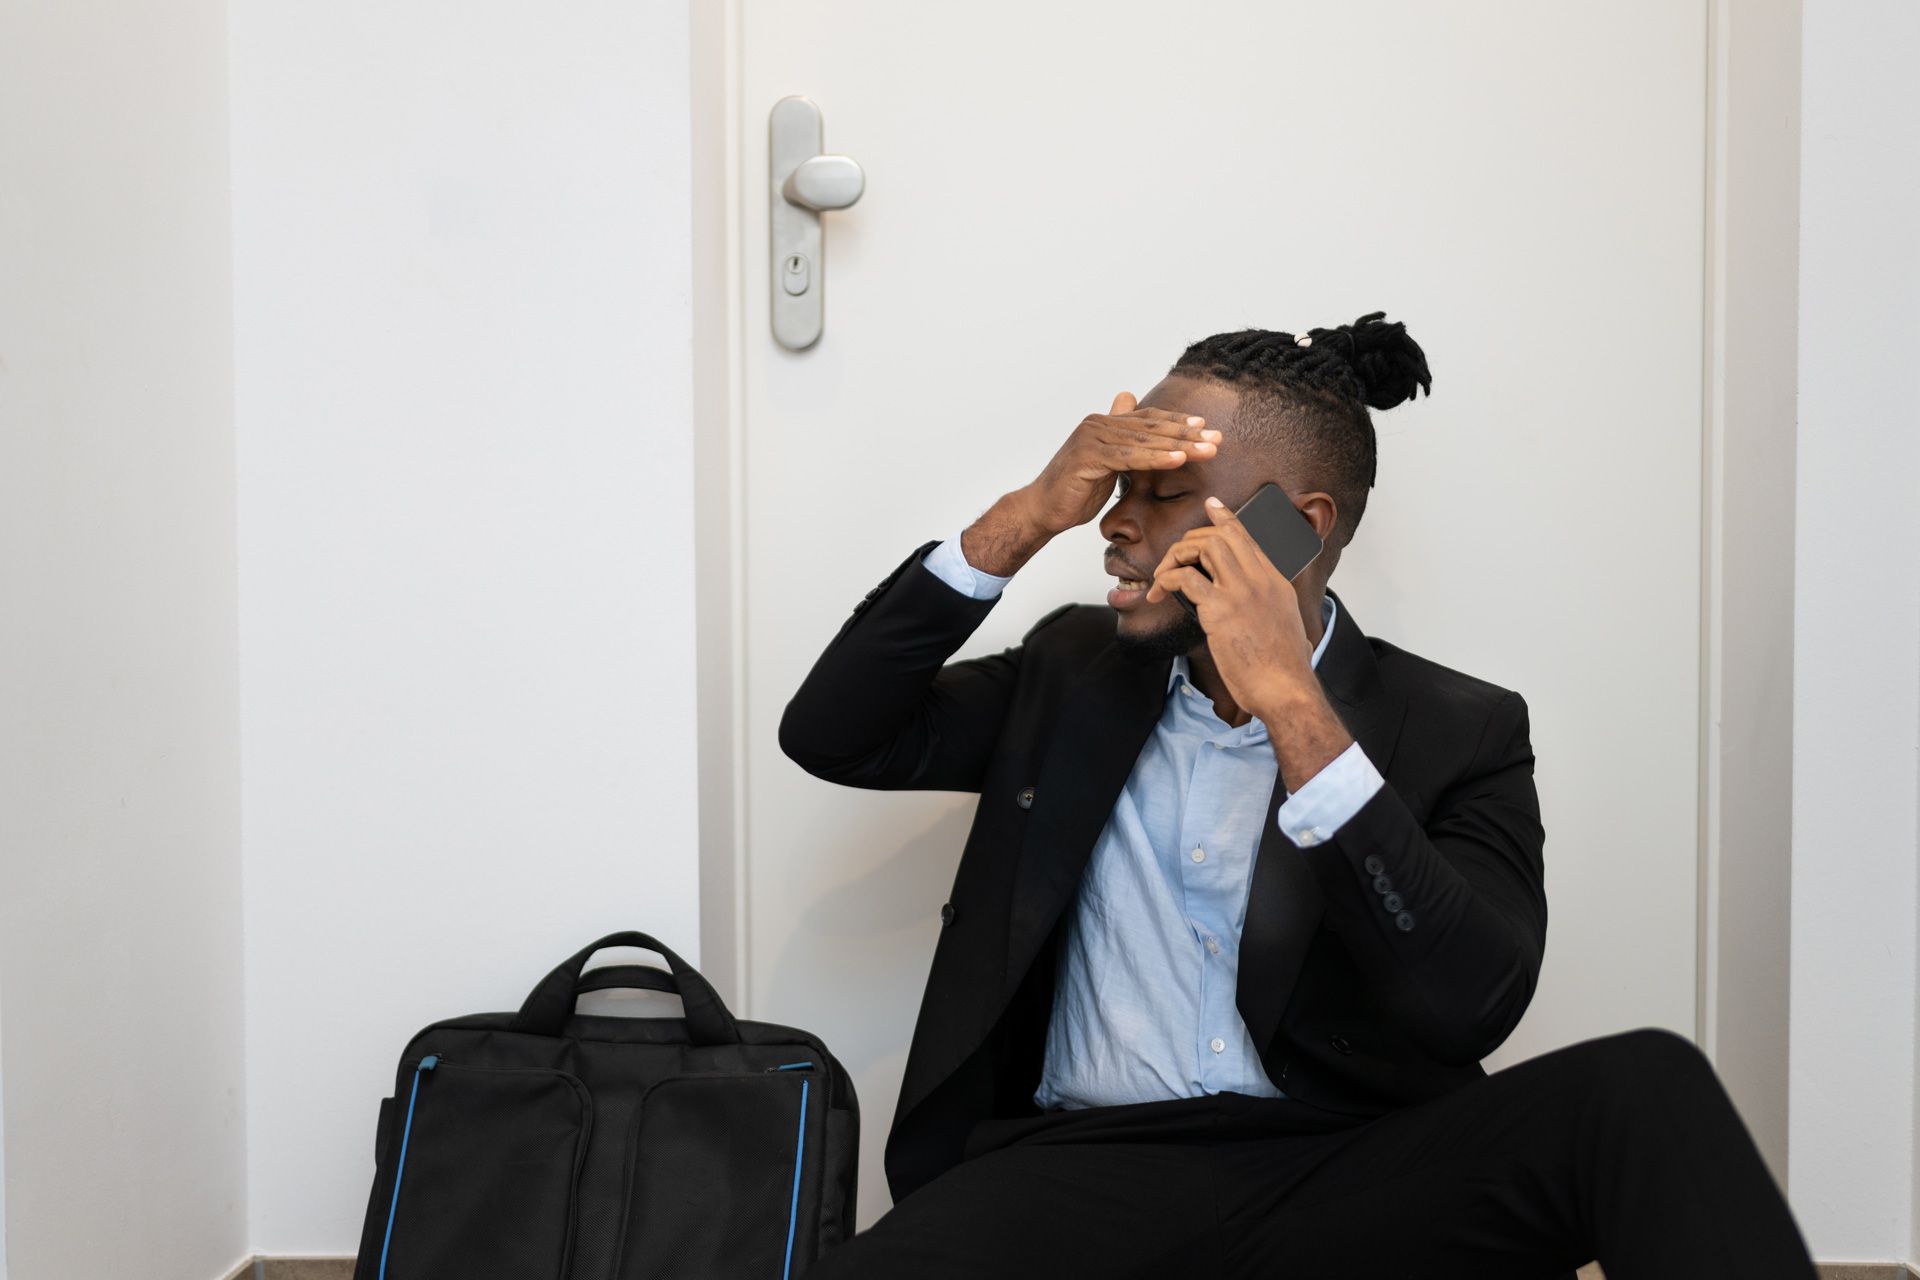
{"x": 799, "y": 1146}
{"x": 427, "y": 1063}
{"x": 790, "y": 1066}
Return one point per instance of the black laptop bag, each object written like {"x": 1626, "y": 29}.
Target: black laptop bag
{"x": 554, "y": 1145}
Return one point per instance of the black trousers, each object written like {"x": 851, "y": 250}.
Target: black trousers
{"x": 1623, "y": 1149}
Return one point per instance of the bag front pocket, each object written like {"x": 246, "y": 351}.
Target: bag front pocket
{"x": 488, "y": 1164}
{"x": 723, "y": 1177}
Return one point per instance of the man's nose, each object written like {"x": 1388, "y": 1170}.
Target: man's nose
{"x": 1118, "y": 525}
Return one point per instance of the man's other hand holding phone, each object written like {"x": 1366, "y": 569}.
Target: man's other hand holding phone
{"x": 1249, "y": 609}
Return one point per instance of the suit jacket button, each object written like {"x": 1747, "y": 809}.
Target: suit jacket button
{"x": 1404, "y": 920}
{"x": 1340, "y": 1044}
{"x": 1392, "y": 902}
{"x": 946, "y": 913}
{"x": 1025, "y": 798}
{"x": 1381, "y": 884}
{"x": 1373, "y": 864}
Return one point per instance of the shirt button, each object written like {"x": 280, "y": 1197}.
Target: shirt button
{"x": 1213, "y": 944}
{"x": 1218, "y": 1045}
{"x": 1199, "y": 854}
{"x": 1310, "y": 836}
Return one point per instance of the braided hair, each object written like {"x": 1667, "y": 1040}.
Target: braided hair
{"x": 1312, "y": 400}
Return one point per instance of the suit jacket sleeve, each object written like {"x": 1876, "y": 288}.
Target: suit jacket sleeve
{"x": 1462, "y": 970}
{"x": 883, "y": 708}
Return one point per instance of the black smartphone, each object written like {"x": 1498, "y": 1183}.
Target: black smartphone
{"x": 1278, "y": 529}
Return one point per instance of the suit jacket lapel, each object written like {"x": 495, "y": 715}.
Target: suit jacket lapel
{"x": 1284, "y": 904}
{"x": 1104, "y": 721}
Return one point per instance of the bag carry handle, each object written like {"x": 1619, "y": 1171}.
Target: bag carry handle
{"x": 551, "y": 1003}
{"x": 626, "y": 977}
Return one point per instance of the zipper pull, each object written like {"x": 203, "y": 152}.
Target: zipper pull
{"x": 428, "y": 1063}
{"x": 791, "y": 1066}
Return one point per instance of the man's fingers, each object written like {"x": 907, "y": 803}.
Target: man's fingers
{"x": 1183, "y": 578}
{"x": 1229, "y": 525}
{"x": 1231, "y": 531}
{"x": 1157, "y": 414}
{"x": 1198, "y": 546}
{"x": 1139, "y": 458}
{"x": 1172, "y": 426}
{"x": 1120, "y": 441}
{"x": 1224, "y": 547}
{"x": 1135, "y": 439}
{"x": 1144, "y": 452}
{"x": 1112, "y": 459}
{"x": 1117, "y": 435}
{"x": 1124, "y": 429}
{"x": 1162, "y": 419}
{"x": 1247, "y": 553}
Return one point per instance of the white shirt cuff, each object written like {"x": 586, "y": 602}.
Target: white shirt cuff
{"x": 1323, "y": 804}
{"x": 947, "y": 563}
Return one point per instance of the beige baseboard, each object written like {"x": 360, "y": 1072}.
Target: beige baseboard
{"x": 342, "y": 1269}
{"x": 302, "y": 1269}
{"x": 1827, "y": 1270}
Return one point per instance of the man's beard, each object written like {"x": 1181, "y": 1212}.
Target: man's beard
{"x": 1183, "y": 635}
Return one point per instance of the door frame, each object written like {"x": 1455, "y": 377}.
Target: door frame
{"x": 1749, "y": 354}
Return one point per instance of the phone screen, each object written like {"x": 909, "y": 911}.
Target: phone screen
{"x": 1280, "y": 531}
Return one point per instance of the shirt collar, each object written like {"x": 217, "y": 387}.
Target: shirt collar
{"x": 1328, "y": 611}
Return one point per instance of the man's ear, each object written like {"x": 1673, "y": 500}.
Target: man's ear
{"x": 1321, "y": 511}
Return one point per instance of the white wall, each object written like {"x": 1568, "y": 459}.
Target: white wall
{"x": 465, "y": 468}
{"x": 1857, "y": 636}
{"x": 460, "y": 237}
{"x": 120, "y": 936}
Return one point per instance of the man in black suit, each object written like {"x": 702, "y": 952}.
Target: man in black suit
{"x": 1218, "y": 970}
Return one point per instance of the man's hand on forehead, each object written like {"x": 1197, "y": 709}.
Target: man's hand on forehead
{"x": 1081, "y": 476}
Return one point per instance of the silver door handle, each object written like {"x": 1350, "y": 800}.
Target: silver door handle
{"x": 825, "y": 182}
{"x": 805, "y": 183}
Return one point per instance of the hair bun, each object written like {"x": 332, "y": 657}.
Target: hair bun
{"x": 1388, "y": 364}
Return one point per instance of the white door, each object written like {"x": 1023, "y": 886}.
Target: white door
{"x": 1060, "y": 197}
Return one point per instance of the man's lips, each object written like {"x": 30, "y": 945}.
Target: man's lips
{"x": 1133, "y": 585}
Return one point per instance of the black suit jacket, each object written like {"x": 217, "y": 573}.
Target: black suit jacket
{"x": 1360, "y": 1003}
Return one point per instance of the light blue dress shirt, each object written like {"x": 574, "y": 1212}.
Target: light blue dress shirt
{"x": 1144, "y": 1005}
